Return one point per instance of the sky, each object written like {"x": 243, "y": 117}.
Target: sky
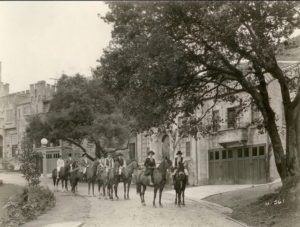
{"x": 42, "y": 40}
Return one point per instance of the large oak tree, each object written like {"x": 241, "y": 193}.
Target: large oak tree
{"x": 167, "y": 58}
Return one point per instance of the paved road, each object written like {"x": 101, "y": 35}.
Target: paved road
{"x": 94, "y": 212}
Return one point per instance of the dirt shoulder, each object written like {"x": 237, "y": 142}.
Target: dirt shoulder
{"x": 252, "y": 206}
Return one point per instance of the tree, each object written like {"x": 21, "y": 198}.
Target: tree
{"x": 82, "y": 109}
{"x": 167, "y": 58}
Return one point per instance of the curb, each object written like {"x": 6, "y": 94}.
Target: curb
{"x": 65, "y": 224}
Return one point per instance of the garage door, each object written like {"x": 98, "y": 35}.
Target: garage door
{"x": 239, "y": 165}
{"x": 51, "y": 160}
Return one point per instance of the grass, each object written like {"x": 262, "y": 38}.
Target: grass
{"x": 6, "y": 191}
{"x": 255, "y": 207}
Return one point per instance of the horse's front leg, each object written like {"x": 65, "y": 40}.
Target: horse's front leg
{"x": 93, "y": 187}
{"x": 154, "y": 197}
{"x": 124, "y": 183}
{"x": 183, "y": 203}
{"x": 116, "y": 190}
{"x": 160, "y": 193}
{"x": 176, "y": 195}
{"x": 128, "y": 188}
{"x": 179, "y": 197}
{"x": 143, "y": 194}
{"x": 89, "y": 187}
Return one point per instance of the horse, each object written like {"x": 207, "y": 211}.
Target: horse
{"x": 180, "y": 181}
{"x": 112, "y": 181}
{"x": 63, "y": 176}
{"x": 91, "y": 174}
{"x": 75, "y": 176}
{"x": 159, "y": 178}
{"x": 101, "y": 179}
{"x": 127, "y": 177}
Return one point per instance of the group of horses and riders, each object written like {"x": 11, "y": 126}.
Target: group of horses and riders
{"x": 108, "y": 171}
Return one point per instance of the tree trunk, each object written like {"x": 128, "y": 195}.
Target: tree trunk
{"x": 99, "y": 150}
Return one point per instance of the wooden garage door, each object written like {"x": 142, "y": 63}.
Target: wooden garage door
{"x": 240, "y": 165}
{"x": 51, "y": 160}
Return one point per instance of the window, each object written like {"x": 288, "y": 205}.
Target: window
{"x": 132, "y": 151}
{"x": 254, "y": 151}
{"x": 229, "y": 153}
{"x": 217, "y": 155}
{"x": 1, "y": 152}
{"x": 9, "y": 115}
{"x": 261, "y": 151}
{"x": 188, "y": 149}
{"x": 224, "y": 154}
{"x": 211, "y": 155}
{"x": 240, "y": 153}
{"x": 255, "y": 114}
{"x": 14, "y": 149}
{"x": 246, "y": 152}
{"x": 215, "y": 120}
{"x": 231, "y": 117}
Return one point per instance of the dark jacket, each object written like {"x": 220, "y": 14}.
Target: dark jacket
{"x": 120, "y": 161}
{"x": 150, "y": 165}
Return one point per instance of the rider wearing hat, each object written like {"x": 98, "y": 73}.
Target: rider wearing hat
{"x": 150, "y": 165}
{"x": 109, "y": 163}
{"x": 122, "y": 163}
{"x": 179, "y": 164}
{"x": 59, "y": 164}
{"x": 85, "y": 164}
{"x": 69, "y": 161}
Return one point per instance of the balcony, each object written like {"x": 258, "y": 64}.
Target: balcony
{"x": 232, "y": 136}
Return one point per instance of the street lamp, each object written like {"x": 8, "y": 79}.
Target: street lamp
{"x": 44, "y": 142}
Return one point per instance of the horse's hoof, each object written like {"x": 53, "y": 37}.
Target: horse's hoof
{"x": 154, "y": 205}
{"x": 144, "y": 204}
{"x": 161, "y": 205}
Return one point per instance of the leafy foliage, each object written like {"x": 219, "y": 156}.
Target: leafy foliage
{"x": 169, "y": 58}
{"x": 28, "y": 205}
{"x": 29, "y": 159}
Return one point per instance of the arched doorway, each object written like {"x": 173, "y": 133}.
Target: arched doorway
{"x": 165, "y": 146}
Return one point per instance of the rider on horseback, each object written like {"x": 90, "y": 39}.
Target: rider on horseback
{"x": 69, "y": 161}
{"x": 122, "y": 163}
{"x": 59, "y": 164}
{"x": 150, "y": 166}
{"x": 85, "y": 164}
{"x": 109, "y": 163}
{"x": 179, "y": 165}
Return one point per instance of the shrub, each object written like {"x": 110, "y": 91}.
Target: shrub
{"x": 29, "y": 159}
{"x": 27, "y": 206}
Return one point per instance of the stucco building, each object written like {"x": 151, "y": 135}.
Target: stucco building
{"x": 235, "y": 152}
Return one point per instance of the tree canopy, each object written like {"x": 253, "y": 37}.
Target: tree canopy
{"x": 82, "y": 109}
{"x": 168, "y": 58}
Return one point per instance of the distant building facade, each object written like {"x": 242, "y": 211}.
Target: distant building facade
{"x": 235, "y": 152}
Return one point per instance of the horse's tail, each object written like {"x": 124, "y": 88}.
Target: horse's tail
{"x": 138, "y": 188}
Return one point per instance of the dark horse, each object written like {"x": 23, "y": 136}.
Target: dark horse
{"x": 75, "y": 176}
{"x": 101, "y": 179}
{"x": 91, "y": 175}
{"x": 180, "y": 181}
{"x": 112, "y": 181}
{"x": 159, "y": 180}
{"x": 127, "y": 177}
{"x": 63, "y": 176}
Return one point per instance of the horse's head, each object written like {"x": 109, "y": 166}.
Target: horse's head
{"x": 133, "y": 164}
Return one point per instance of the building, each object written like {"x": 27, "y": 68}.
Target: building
{"x": 235, "y": 152}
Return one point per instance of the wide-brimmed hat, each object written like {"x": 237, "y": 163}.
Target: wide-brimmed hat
{"x": 178, "y": 152}
{"x": 70, "y": 155}
{"x": 150, "y": 152}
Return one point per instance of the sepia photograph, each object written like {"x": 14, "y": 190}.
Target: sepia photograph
{"x": 150, "y": 113}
